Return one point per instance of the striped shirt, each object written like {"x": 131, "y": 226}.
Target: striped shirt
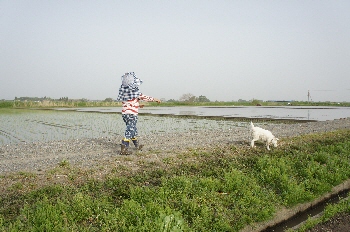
{"x": 132, "y": 106}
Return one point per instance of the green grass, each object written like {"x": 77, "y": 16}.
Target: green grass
{"x": 248, "y": 103}
{"x": 224, "y": 189}
{"x": 56, "y": 103}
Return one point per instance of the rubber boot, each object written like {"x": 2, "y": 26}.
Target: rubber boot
{"x": 136, "y": 143}
{"x": 125, "y": 147}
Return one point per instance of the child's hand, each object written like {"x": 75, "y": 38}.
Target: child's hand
{"x": 157, "y": 100}
{"x": 141, "y": 106}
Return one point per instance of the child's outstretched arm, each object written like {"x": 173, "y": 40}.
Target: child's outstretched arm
{"x": 156, "y": 100}
{"x": 143, "y": 97}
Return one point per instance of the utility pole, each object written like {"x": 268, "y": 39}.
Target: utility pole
{"x": 309, "y": 96}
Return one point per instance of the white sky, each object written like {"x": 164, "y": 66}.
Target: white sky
{"x": 224, "y": 50}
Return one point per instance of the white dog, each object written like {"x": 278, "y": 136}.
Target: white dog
{"x": 264, "y": 135}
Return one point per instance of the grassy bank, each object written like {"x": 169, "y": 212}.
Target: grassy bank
{"x": 255, "y": 103}
{"x": 223, "y": 189}
{"x": 53, "y": 104}
{"x": 72, "y": 104}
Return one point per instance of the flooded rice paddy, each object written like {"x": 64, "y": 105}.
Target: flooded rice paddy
{"x": 20, "y": 126}
{"x": 25, "y": 126}
{"x": 316, "y": 113}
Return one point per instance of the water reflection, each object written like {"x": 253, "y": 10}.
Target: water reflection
{"x": 44, "y": 125}
{"x": 288, "y": 112}
{"x": 63, "y": 124}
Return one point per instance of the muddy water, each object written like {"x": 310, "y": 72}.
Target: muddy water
{"x": 17, "y": 126}
{"x": 288, "y": 112}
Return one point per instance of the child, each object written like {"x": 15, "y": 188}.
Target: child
{"x": 130, "y": 96}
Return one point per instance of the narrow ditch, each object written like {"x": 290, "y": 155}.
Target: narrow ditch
{"x": 310, "y": 212}
{"x": 292, "y": 218}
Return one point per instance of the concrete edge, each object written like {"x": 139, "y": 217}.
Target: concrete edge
{"x": 285, "y": 214}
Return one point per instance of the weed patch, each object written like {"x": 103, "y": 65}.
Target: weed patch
{"x": 216, "y": 190}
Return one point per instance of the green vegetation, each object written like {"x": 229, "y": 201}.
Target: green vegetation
{"x": 331, "y": 210}
{"x": 53, "y": 103}
{"x": 108, "y": 102}
{"x": 223, "y": 189}
{"x": 251, "y": 103}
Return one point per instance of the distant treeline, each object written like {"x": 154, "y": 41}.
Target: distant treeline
{"x": 109, "y": 102}
{"x": 56, "y": 103}
{"x": 65, "y": 99}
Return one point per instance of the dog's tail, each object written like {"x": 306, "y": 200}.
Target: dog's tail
{"x": 251, "y": 125}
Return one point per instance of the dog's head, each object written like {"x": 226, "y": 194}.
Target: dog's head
{"x": 274, "y": 141}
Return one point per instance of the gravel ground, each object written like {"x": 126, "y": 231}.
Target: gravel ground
{"x": 85, "y": 153}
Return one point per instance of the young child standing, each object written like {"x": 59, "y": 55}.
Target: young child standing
{"x": 130, "y": 96}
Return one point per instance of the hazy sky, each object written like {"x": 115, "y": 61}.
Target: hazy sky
{"x": 224, "y": 50}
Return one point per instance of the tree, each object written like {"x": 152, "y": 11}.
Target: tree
{"x": 202, "y": 98}
{"x": 256, "y": 102}
{"x": 65, "y": 99}
{"x": 109, "y": 99}
{"x": 188, "y": 97}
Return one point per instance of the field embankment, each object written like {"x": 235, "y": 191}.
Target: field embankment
{"x": 112, "y": 103}
{"x": 222, "y": 186}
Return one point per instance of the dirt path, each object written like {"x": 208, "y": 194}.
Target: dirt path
{"x": 86, "y": 153}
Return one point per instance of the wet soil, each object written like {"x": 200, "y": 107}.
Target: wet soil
{"x": 339, "y": 223}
